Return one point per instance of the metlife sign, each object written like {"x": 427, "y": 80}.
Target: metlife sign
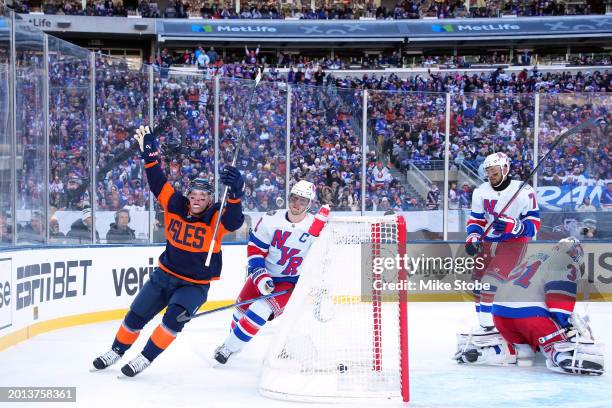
{"x": 450, "y": 28}
{"x": 287, "y": 30}
{"x": 385, "y": 30}
{"x": 519, "y": 27}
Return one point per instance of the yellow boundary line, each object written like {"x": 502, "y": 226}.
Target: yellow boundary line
{"x": 35, "y": 329}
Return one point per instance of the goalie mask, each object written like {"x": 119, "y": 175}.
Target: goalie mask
{"x": 304, "y": 189}
{"x": 492, "y": 161}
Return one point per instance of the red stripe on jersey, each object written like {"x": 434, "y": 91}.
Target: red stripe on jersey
{"x": 473, "y": 221}
{"x": 536, "y": 224}
{"x": 253, "y": 250}
{"x": 560, "y": 301}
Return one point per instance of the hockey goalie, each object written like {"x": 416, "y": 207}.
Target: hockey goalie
{"x": 534, "y": 312}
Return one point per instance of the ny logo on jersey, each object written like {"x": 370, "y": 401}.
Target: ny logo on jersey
{"x": 288, "y": 255}
{"x": 489, "y": 207}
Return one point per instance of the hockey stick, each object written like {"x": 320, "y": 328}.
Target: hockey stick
{"x": 234, "y": 159}
{"x": 576, "y": 129}
{"x": 184, "y": 318}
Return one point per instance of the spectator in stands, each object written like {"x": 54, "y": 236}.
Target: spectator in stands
{"x": 465, "y": 196}
{"x": 55, "y": 235}
{"x": 119, "y": 230}
{"x": 251, "y": 56}
{"x": 433, "y": 197}
{"x": 589, "y": 230}
{"x": 606, "y": 198}
{"x": 6, "y": 235}
{"x": 586, "y": 206}
{"x": 32, "y": 232}
{"x": 81, "y": 230}
{"x": 453, "y": 196}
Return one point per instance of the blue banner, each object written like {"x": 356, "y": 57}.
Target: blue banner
{"x": 558, "y": 198}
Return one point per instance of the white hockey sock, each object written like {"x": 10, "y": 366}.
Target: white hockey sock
{"x": 485, "y": 318}
{"x": 248, "y": 325}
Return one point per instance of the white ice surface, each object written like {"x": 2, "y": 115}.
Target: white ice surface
{"x": 183, "y": 376}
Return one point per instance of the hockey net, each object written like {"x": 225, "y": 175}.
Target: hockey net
{"x": 334, "y": 343}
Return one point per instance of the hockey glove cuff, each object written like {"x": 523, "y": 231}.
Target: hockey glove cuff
{"x": 319, "y": 222}
{"x": 473, "y": 244}
{"x": 261, "y": 278}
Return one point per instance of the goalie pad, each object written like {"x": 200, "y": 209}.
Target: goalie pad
{"x": 579, "y": 354}
{"x": 482, "y": 346}
{"x": 576, "y": 357}
{"x": 488, "y": 347}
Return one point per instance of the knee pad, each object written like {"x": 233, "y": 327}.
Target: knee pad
{"x": 170, "y": 318}
{"x": 133, "y": 321}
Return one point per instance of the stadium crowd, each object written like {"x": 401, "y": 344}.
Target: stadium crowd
{"x": 327, "y": 10}
{"x": 406, "y": 120}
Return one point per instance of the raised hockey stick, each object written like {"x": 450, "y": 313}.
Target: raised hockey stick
{"x": 234, "y": 159}
{"x": 576, "y": 129}
{"x": 184, "y": 318}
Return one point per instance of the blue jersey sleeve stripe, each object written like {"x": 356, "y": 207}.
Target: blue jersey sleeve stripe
{"x": 534, "y": 213}
{"x": 473, "y": 228}
{"x": 258, "y": 242}
{"x": 257, "y": 262}
{"x": 479, "y": 216}
{"x": 520, "y": 312}
{"x": 565, "y": 286}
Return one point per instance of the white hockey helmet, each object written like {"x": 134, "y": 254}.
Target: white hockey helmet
{"x": 498, "y": 159}
{"x": 306, "y": 190}
{"x": 572, "y": 247}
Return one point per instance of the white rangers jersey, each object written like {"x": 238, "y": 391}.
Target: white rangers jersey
{"x": 486, "y": 203}
{"x": 544, "y": 285}
{"x": 279, "y": 245}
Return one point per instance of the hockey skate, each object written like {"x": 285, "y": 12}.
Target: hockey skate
{"x": 222, "y": 354}
{"x": 135, "y": 366}
{"x": 107, "y": 359}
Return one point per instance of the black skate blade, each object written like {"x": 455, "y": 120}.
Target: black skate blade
{"x": 588, "y": 368}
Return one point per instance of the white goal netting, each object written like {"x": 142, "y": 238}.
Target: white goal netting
{"x": 338, "y": 340}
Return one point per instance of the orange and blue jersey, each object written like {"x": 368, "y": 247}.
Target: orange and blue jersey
{"x": 189, "y": 236}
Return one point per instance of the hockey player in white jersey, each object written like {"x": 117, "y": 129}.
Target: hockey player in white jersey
{"x": 534, "y": 311}
{"x": 277, "y": 247}
{"x": 504, "y": 245}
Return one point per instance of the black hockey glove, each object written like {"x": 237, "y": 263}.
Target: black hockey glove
{"x": 147, "y": 144}
{"x": 231, "y": 177}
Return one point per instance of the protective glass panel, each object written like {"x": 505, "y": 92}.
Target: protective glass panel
{"x": 573, "y": 183}
{"x": 69, "y": 141}
{"x": 405, "y": 159}
{"x": 31, "y": 154}
{"x": 122, "y": 105}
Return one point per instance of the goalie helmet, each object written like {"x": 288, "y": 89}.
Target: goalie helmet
{"x": 202, "y": 185}
{"x": 572, "y": 248}
{"x": 498, "y": 159}
{"x": 306, "y": 190}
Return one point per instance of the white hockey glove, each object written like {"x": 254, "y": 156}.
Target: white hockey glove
{"x": 261, "y": 278}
